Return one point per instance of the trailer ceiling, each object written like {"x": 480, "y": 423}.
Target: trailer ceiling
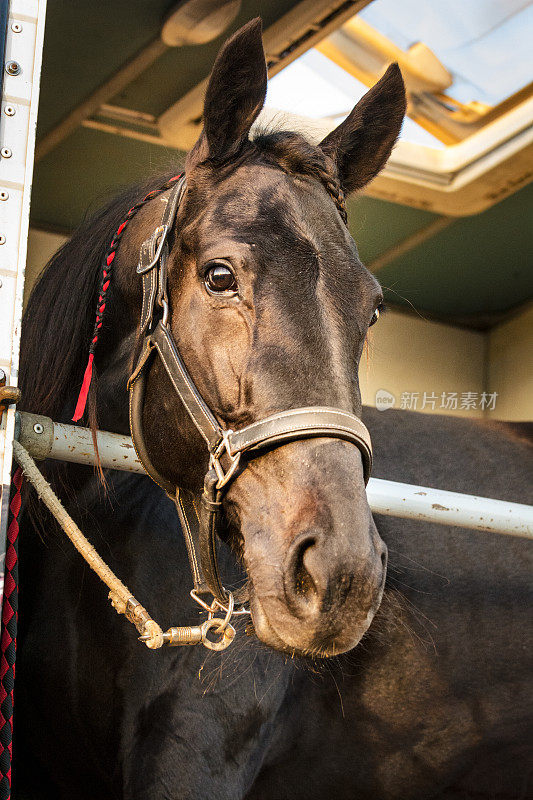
{"x": 472, "y": 270}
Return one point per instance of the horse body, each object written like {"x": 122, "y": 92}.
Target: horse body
{"x": 97, "y": 716}
{"x": 432, "y": 703}
{"x": 270, "y": 305}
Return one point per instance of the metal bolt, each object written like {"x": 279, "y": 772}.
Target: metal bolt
{"x": 10, "y": 111}
{"x": 2, "y": 239}
{"x": 16, "y": 27}
{"x": 38, "y": 428}
{"x": 13, "y": 68}
{"x": 4, "y": 195}
{"x": 5, "y": 152}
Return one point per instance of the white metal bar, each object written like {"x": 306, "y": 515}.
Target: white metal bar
{"x": 44, "y": 438}
{"x": 449, "y": 508}
{"x": 75, "y": 444}
{"x": 18, "y": 118}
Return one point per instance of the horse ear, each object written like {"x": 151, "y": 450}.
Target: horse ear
{"x": 361, "y": 145}
{"x": 235, "y": 95}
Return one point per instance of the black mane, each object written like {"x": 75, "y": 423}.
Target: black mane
{"x": 59, "y": 318}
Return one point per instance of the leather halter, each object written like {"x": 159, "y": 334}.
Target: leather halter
{"x": 200, "y": 516}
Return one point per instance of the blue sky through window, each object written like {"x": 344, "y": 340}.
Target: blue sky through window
{"x": 485, "y": 45}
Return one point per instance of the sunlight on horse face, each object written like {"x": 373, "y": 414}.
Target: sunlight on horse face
{"x": 270, "y": 306}
{"x": 288, "y": 333}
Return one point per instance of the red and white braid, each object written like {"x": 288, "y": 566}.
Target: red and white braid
{"x": 107, "y": 267}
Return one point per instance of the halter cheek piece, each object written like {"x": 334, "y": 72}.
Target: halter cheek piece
{"x": 200, "y": 516}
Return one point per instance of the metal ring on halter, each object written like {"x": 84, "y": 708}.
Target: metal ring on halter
{"x": 226, "y": 638}
{"x": 229, "y": 612}
{"x": 215, "y": 604}
{"x": 198, "y": 599}
{"x": 237, "y": 612}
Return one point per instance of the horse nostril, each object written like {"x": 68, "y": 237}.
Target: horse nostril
{"x": 300, "y": 587}
{"x": 303, "y": 582}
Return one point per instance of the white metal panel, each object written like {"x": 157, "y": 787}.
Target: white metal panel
{"x": 18, "y": 117}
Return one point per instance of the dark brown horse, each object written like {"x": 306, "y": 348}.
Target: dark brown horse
{"x": 270, "y": 306}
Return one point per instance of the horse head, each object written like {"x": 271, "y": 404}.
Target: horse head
{"x": 270, "y": 306}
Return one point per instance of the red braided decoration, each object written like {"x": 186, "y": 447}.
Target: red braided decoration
{"x": 107, "y": 266}
{"x": 8, "y": 642}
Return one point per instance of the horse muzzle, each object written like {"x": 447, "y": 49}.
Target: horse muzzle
{"x": 315, "y": 562}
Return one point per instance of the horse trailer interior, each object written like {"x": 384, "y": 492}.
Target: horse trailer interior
{"x": 103, "y": 95}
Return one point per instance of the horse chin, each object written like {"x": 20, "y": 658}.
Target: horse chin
{"x": 308, "y": 644}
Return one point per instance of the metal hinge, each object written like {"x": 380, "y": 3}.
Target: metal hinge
{"x": 8, "y": 394}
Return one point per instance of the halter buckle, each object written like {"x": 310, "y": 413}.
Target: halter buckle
{"x": 157, "y": 240}
{"x": 214, "y": 460}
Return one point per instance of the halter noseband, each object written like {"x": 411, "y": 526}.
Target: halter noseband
{"x": 200, "y": 517}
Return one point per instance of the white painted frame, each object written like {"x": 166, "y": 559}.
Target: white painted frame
{"x": 18, "y": 119}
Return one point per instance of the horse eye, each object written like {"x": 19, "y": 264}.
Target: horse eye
{"x": 219, "y": 278}
{"x": 375, "y": 315}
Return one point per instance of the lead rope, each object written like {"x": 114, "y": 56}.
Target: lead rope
{"x": 8, "y": 642}
{"x": 121, "y": 598}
